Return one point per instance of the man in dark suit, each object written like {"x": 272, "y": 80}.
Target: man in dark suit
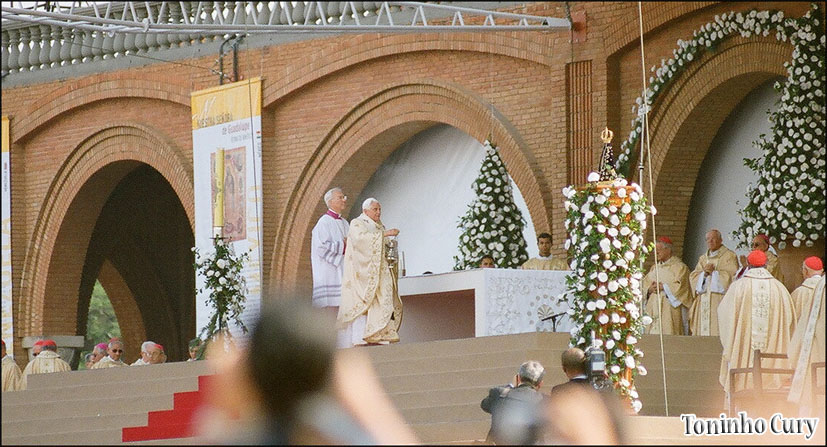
{"x": 574, "y": 365}
{"x": 515, "y": 409}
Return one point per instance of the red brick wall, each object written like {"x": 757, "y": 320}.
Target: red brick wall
{"x": 334, "y": 108}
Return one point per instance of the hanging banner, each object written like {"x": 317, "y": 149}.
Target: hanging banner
{"x": 226, "y": 138}
{"x": 5, "y": 257}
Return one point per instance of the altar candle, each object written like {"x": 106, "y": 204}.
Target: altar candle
{"x": 218, "y": 208}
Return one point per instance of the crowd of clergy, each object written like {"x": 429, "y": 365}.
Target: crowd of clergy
{"x": 45, "y": 359}
{"x": 742, "y": 299}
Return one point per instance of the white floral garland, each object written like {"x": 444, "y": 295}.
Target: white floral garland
{"x": 794, "y": 178}
{"x": 493, "y": 224}
{"x": 606, "y": 245}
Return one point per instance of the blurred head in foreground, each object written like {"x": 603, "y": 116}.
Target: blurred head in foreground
{"x": 583, "y": 416}
{"x": 290, "y": 357}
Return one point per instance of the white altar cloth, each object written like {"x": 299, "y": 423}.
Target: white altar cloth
{"x": 506, "y": 301}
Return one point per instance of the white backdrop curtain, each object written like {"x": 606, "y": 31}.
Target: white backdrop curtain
{"x": 424, "y": 188}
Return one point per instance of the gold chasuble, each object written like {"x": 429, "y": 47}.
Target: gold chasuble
{"x": 549, "y": 263}
{"x": 803, "y": 295}
{"x": 12, "y": 377}
{"x": 807, "y": 346}
{"x": 369, "y": 284}
{"x": 45, "y": 362}
{"x": 674, "y": 275}
{"x": 703, "y": 318}
{"x": 107, "y": 362}
{"x": 755, "y": 313}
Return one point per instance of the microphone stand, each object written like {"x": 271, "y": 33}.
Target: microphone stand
{"x": 553, "y": 319}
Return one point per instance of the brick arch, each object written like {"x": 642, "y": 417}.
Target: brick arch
{"x": 658, "y": 16}
{"x": 96, "y": 88}
{"x": 346, "y": 53}
{"x": 358, "y": 144}
{"x": 620, "y": 33}
{"x": 690, "y": 112}
{"x": 65, "y": 222}
{"x": 133, "y": 331}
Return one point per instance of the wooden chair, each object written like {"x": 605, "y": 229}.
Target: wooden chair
{"x": 757, "y": 391}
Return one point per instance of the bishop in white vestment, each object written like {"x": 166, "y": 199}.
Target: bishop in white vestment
{"x": 667, "y": 290}
{"x": 755, "y": 313}
{"x": 807, "y": 346}
{"x": 811, "y": 270}
{"x": 710, "y": 280}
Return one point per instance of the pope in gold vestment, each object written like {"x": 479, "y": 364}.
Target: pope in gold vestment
{"x": 709, "y": 289}
{"x": 369, "y": 284}
{"x": 755, "y": 313}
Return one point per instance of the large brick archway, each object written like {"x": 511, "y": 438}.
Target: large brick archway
{"x": 127, "y": 161}
{"x": 368, "y": 134}
{"x": 687, "y": 117}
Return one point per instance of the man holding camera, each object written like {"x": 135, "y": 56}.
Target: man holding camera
{"x": 515, "y": 409}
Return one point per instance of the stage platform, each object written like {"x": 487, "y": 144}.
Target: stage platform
{"x": 437, "y": 386}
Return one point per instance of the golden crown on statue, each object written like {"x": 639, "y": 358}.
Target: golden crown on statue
{"x": 607, "y": 162}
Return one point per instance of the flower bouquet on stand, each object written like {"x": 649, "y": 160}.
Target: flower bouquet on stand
{"x": 227, "y": 288}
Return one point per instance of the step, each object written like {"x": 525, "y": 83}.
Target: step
{"x": 489, "y": 377}
{"x": 102, "y": 377}
{"x": 445, "y": 413}
{"x": 529, "y": 340}
{"x": 88, "y": 407}
{"x": 107, "y": 436}
{"x": 467, "y": 362}
{"x": 84, "y": 392}
{"x": 427, "y": 398}
{"x": 441, "y": 432}
{"x": 50, "y": 425}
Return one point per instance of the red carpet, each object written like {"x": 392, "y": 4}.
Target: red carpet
{"x": 175, "y": 423}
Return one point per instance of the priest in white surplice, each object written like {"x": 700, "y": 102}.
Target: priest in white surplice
{"x": 807, "y": 346}
{"x": 812, "y": 269}
{"x": 755, "y": 313}
{"x": 710, "y": 279}
{"x": 370, "y": 310}
{"x": 675, "y": 292}
{"x": 327, "y": 254}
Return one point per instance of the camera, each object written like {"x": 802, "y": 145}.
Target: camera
{"x": 596, "y": 368}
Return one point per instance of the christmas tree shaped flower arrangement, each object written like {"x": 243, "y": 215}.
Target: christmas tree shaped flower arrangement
{"x": 493, "y": 225}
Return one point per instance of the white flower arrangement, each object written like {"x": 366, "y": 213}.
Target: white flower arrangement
{"x": 222, "y": 270}
{"x": 493, "y": 224}
{"x": 796, "y": 137}
{"x": 798, "y": 126}
{"x": 606, "y": 268}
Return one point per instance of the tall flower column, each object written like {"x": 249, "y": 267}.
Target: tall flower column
{"x": 605, "y": 223}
